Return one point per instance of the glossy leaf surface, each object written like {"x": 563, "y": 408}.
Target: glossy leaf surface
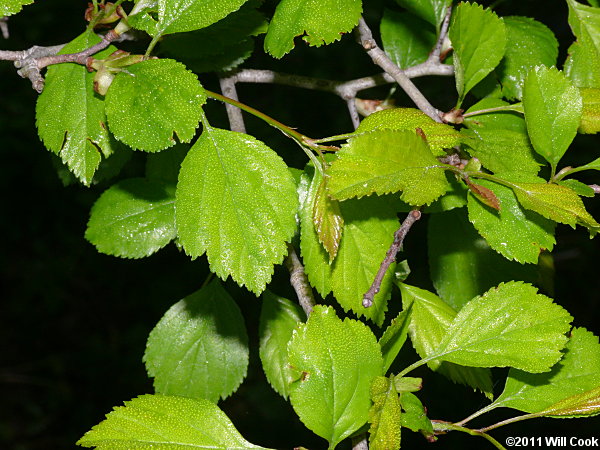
{"x": 153, "y": 102}
{"x": 199, "y": 348}
{"x": 586, "y": 404}
{"x": 393, "y": 338}
{"x": 133, "y": 218}
{"x": 160, "y": 421}
{"x": 70, "y": 116}
{"x": 300, "y": 17}
{"x": 583, "y": 64}
{"x": 328, "y": 220}
{"x": 514, "y": 232}
{"x": 433, "y": 11}
{"x": 510, "y": 325}
{"x": 407, "y": 40}
{"x": 278, "y": 319}
{"x": 385, "y": 416}
{"x": 577, "y": 372}
{"x": 237, "y": 202}
{"x": 529, "y": 43}
{"x": 464, "y": 267}
{"x": 335, "y": 362}
{"x": 387, "y": 161}
{"x": 9, "y": 7}
{"x": 478, "y": 37}
{"x": 552, "y": 111}
{"x": 414, "y": 416}
{"x": 590, "y": 116}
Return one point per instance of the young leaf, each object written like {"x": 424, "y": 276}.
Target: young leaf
{"x": 199, "y": 348}
{"x": 152, "y": 421}
{"x": 133, "y": 218}
{"x": 430, "y": 319}
{"x": 576, "y": 373}
{"x": 438, "y": 135}
{"x": 336, "y": 362}
{"x": 433, "y": 11}
{"x": 555, "y": 202}
{"x": 328, "y": 220}
{"x": 462, "y": 268}
{"x": 510, "y": 325}
{"x": 387, "y": 161}
{"x": 221, "y": 46}
{"x": 10, "y": 7}
{"x": 393, "y": 338}
{"x": 414, "y": 416}
{"x": 153, "y": 101}
{"x": 176, "y": 16}
{"x": 583, "y": 64}
{"x": 70, "y": 115}
{"x": 237, "y": 202}
{"x": 586, "y": 404}
{"x": 298, "y": 17}
{"x": 407, "y": 40}
{"x": 407, "y": 384}
{"x": 590, "y": 116}
{"x": 278, "y": 318}
{"x": 501, "y": 150}
{"x": 514, "y": 232}
{"x": 385, "y": 416}
{"x": 529, "y": 43}
{"x": 317, "y": 262}
{"x": 552, "y": 111}
{"x": 478, "y": 37}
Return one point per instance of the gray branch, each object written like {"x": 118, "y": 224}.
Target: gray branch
{"x": 299, "y": 281}
{"x": 380, "y": 58}
{"x": 4, "y": 27}
{"x": 236, "y": 119}
{"x": 360, "y": 442}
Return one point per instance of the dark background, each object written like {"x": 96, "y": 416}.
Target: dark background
{"x": 73, "y": 322}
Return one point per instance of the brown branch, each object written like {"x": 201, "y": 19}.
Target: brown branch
{"x": 299, "y": 281}
{"x": 236, "y": 119}
{"x": 390, "y": 256}
{"x": 380, "y": 58}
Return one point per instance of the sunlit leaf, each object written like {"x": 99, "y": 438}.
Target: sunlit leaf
{"x": 199, "y": 348}
{"x": 384, "y": 416}
{"x": 590, "y": 116}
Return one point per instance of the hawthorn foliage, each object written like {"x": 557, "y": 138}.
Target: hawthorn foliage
{"x": 488, "y": 172}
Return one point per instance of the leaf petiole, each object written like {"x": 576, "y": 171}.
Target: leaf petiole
{"x": 440, "y": 427}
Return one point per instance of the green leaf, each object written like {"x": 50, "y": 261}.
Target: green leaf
{"x": 583, "y": 64}
{"x": 133, "y": 218}
{"x": 337, "y": 362}
{"x": 199, "y": 348}
{"x": 407, "y": 384}
{"x": 464, "y": 268}
{"x": 590, "y": 116}
{"x": 455, "y": 197}
{"x": 221, "y": 46}
{"x": 439, "y": 136}
{"x": 529, "y": 43}
{"x": 278, "y": 318}
{"x": 393, "y": 338}
{"x": 70, "y": 115}
{"x": 555, "y": 202}
{"x": 160, "y": 421}
{"x": 478, "y": 37}
{"x": 510, "y": 325}
{"x": 414, "y": 416}
{"x": 498, "y": 120}
{"x": 176, "y": 16}
{"x": 153, "y": 101}
{"x": 433, "y": 11}
{"x": 578, "y": 187}
{"x": 385, "y": 416}
{"x": 586, "y": 404}
{"x": 299, "y": 17}
{"x": 317, "y": 262}
{"x": 10, "y": 7}
{"x": 430, "y": 318}
{"x": 387, "y": 161}
{"x": 165, "y": 166}
{"x": 407, "y": 40}
{"x": 594, "y": 165}
{"x": 502, "y": 150}
{"x": 514, "y": 232}
{"x": 237, "y": 202}
{"x": 577, "y": 372}
{"x": 328, "y": 220}
{"x": 552, "y": 111}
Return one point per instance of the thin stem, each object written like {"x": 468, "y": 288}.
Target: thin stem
{"x": 390, "y": 256}
{"x": 299, "y": 281}
{"x": 517, "y": 107}
{"x": 476, "y": 414}
{"x": 382, "y": 60}
{"x": 351, "y": 103}
{"x": 509, "y": 421}
{"x": 236, "y": 120}
{"x": 414, "y": 365}
{"x": 443, "y": 427}
{"x": 4, "y": 27}
{"x": 152, "y": 44}
{"x": 437, "y": 50}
